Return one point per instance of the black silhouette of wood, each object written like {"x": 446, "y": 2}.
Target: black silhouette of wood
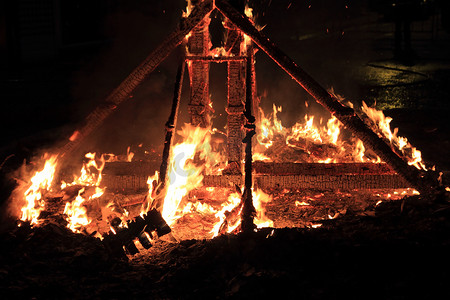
{"x": 248, "y": 210}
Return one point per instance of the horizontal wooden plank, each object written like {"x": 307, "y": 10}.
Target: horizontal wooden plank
{"x": 289, "y": 168}
{"x": 148, "y": 168}
{"x": 129, "y": 183}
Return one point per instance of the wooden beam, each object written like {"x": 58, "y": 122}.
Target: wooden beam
{"x": 123, "y": 91}
{"x": 132, "y": 177}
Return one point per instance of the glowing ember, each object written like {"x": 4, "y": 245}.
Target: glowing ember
{"x": 41, "y": 181}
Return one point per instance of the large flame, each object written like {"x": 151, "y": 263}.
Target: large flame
{"x": 321, "y": 143}
{"x": 41, "y": 181}
{"x": 413, "y": 156}
{"x": 188, "y": 160}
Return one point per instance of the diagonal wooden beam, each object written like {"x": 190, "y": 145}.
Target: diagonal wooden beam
{"x": 123, "y": 91}
{"x": 347, "y": 116}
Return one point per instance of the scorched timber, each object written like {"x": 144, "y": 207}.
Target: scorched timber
{"x": 343, "y": 113}
{"x": 123, "y": 91}
{"x": 131, "y": 177}
{"x": 289, "y": 168}
{"x": 312, "y": 182}
{"x": 170, "y": 128}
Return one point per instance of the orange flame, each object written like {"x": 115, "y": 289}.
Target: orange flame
{"x": 41, "y": 181}
{"x": 76, "y": 211}
{"x": 185, "y": 173}
{"x": 90, "y": 175}
{"x": 322, "y": 143}
{"x": 233, "y": 206}
{"x": 413, "y": 156}
{"x": 152, "y": 182}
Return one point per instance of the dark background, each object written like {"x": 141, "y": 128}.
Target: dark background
{"x": 59, "y": 59}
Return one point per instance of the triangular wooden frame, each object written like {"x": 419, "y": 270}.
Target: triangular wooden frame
{"x": 423, "y": 182}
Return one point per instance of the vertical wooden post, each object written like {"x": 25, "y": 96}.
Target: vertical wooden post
{"x": 248, "y": 210}
{"x": 235, "y": 99}
{"x": 198, "y": 44}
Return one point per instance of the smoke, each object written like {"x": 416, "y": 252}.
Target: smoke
{"x": 134, "y": 29}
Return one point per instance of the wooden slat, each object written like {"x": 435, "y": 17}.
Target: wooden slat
{"x": 289, "y": 168}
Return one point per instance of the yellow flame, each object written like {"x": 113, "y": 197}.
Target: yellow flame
{"x": 232, "y": 202}
{"x": 76, "y": 211}
{"x": 130, "y": 155}
{"x": 188, "y": 160}
{"x": 189, "y": 8}
{"x": 309, "y": 137}
{"x": 260, "y": 200}
{"x": 152, "y": 183}
{"x": 90, "y": 174}
{"x": 41, "y": 181}
{"x": 302, "y": 203}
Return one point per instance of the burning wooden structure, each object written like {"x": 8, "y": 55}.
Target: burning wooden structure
{"x": 243, "y": 39}
{"x": 238, "y": 54}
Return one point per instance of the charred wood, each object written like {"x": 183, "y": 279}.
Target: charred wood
{"x": 170, "y": 128}
{"x": 248, "y": 210}
{"x": 124, "y": 236}
{"x": 289, "y": 168}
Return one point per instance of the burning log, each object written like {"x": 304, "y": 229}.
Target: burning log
{"x": 322, "y": 182}
{"x": 235, "y": 97}
{"x": 122, "y": 92}
{"x": 343, "y": 113}
{"x": 136, "y": 229}
{"x": 132, "y": 176}
{"x": 170, "y": 128}
{"x": 289, "y": 168}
